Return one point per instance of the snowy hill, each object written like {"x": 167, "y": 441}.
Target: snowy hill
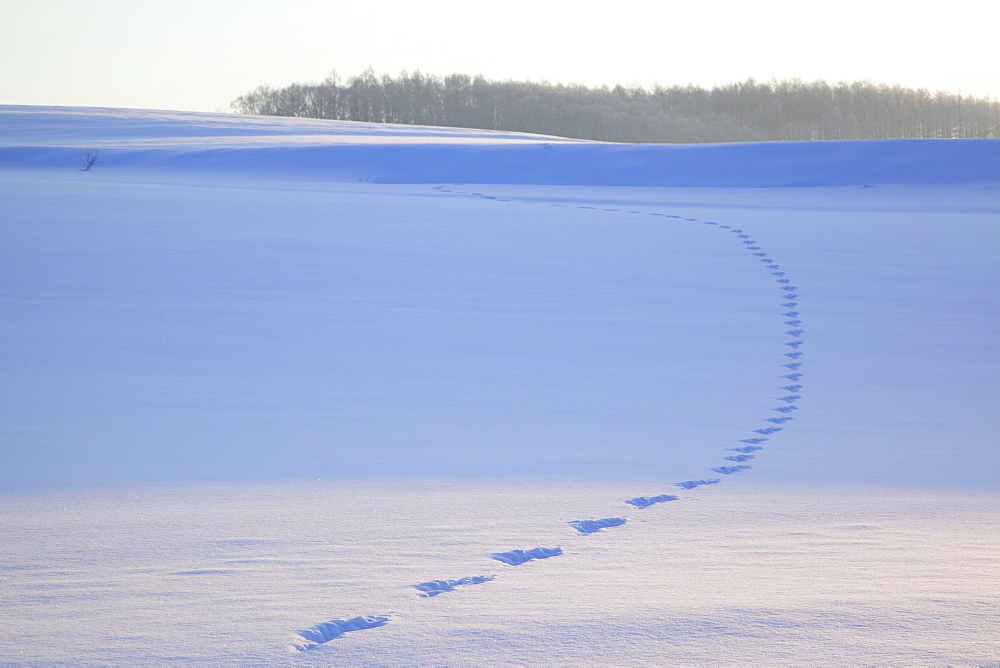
{"x": 344, "y": 151}
{"x": 285, "y": 391}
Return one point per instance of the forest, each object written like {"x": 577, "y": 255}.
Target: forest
{"x": 776, "y": 110}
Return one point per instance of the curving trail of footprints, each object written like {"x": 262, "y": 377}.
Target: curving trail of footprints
{"x": 787, "y": 301}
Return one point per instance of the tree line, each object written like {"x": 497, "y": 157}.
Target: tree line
{"x": 777, "y": 110}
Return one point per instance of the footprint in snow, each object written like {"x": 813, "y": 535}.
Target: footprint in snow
{"x": 327, "y": 631}
{"x": 752, "y": 441}
{"x": 729, "y": 470}
{"x": 768, "y": 430}
{"x": 587, "y": 527}
{"x": 691, "y": 484}
{"x": 518, "y": 557}
{"x": 435, "y": 587}
{"x": 647, "y": 501}
{"x": 749, "y": 448}
{"x": 739, "y": 458}
{"x": 780, "y": 420}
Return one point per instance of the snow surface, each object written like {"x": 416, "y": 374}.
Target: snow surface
{"x": 276, "y": 391}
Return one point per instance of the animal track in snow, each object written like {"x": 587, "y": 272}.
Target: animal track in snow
{"x": 729, "y": 470}
{"x": 587, "y": 527}
{"x": 435, "y": 587}
{"x": 788, "y": 301}
{"x": 518, "y": 557}
{"x": 691, "y": 484}
{"x": 327, "y": 631}
{"x": 647, "y": 501}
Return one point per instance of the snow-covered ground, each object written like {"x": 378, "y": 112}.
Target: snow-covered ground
{"x": 261, "y": 374}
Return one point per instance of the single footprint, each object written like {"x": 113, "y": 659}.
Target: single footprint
{"x": 327, "y": 631}
{"x": 435, "y": 587}
{"x": 518, "y": 557}
{"x": 729, "y": 470}
{"x": 647, "y": 501}
{"x": 587, "y": 527}
{"x": 691, "y": 484}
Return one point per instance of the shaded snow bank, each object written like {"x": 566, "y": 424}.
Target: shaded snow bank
{"x": 344, "y": 151}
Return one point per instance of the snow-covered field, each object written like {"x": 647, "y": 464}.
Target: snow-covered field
{"x": 262, "y": 374}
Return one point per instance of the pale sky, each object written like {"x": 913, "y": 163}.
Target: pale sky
{"x": 199, "y": 55}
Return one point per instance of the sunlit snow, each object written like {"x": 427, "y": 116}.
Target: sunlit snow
{"x": 285, "y": 391}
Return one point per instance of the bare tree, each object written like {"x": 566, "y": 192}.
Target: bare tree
{"x": 90, "y": 160}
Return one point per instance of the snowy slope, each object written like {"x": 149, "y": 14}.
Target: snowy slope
{"x": 263, "y": 376}
{"x": 346, "y": 151}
